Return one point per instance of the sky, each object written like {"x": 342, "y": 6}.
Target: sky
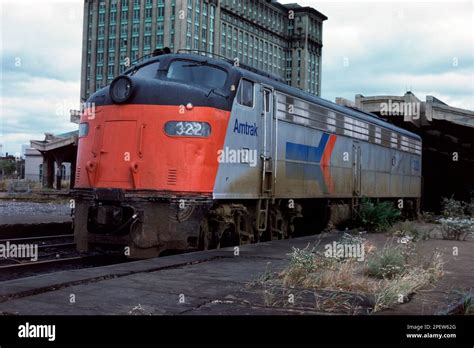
{"x": 369, "y": 48}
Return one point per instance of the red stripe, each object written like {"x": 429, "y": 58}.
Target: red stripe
{"x": 328, "y": 150}
{"x": 325, "y": 162}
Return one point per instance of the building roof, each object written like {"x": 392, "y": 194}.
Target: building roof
{"x": 431, "y": 109}
{"x": 298, "y": 8}
{"x": 52, "y": 142}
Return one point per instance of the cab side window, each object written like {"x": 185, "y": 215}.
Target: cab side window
{"x": 246, "y": 93}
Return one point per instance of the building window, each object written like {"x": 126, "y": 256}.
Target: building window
{"x": 148, "y": 14}
{"x": 229, "y": 41}
{"x": 223, "y": 38}
{"x": 134, "y": 55}
{"x": 124, "y": 16}
{"x": 160, "y": 26}
{"x": 147, "y": 28}
{"x": 136, "y": 14}
{"x": 159, "y": 41}
{"x": 112, "y": 30}
{"x": 136, "y": 29}
{"x": 234, "y": 45}
{"x": 123, "y": 30}
{"x": 135, "y": 41}
{"x": 147, "y": 42}
{"x": 110, "y": 71}
{"x": 161, "y": 12}
{"x": 212, "y": 24}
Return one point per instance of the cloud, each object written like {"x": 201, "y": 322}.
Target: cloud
{"x": 41, "y": 45}
{"x": 394, "y": 46}
{"x": 42, "y": 38}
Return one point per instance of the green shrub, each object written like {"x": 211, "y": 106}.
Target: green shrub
{"x": 453, "y": 208}
{"x": 408, "y": 230}
{"x": 468, "y": 305}
{"x": 427, "y": 216}
{"x": 377, "y": 216}
{"x": 457, "y": 228}
{"x": 303, "y": 258}
{"x": 387, "y": 263}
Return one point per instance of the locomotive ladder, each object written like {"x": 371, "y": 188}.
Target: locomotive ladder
{"x": 268, "y": 108}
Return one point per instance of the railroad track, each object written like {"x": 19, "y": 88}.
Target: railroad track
{"x": 43, "y": 241}
{"x": 52, "y": 253}
{"x": 45, "y": 250}
{"x": 40, "y": 263}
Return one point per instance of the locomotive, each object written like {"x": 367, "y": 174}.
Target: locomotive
{"x": 187, "y": 151}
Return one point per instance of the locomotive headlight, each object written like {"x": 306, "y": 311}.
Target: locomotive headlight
{"x": 121, "y": 89}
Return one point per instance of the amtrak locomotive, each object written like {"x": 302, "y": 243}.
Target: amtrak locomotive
{"x": 185, "y": 152}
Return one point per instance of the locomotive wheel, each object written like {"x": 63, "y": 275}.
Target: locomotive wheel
{"x": 277, "y": 226}
{"x": 244, "y": 229}
{"x": 205, "y": 238}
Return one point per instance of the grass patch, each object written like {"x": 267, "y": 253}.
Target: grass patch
{"x": 387, "y": 263}
{"x": 377, "y": 216}
{"x": 310, "y": 269}
{"x": 389, "y": 276}
{"x": 468, "y": 304}
{"x": 408, "y": 231}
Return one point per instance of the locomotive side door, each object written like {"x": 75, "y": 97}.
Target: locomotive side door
{"x": 356, "y": 168}
{"x": 266, "y": 153}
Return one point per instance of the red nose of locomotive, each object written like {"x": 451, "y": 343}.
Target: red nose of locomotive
{"x": 149, "y": 134}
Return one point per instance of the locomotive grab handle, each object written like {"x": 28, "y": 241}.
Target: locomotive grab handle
{"x": 95, "y": 141}
{"x": 140, "y": 141}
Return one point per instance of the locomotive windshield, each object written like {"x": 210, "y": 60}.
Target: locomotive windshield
{"x": 199, "y": 73}
{"x": 147, "y": 71}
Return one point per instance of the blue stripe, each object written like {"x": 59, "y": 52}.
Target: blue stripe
{"x": 306, "y": 153}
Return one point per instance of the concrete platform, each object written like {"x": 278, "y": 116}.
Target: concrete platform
{"x": 212, "y": 282}
{"x": 208, "y": 282}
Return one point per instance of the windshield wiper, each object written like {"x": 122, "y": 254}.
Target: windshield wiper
{"x": 204, "y": 62}
{"x": 213, "y": 90}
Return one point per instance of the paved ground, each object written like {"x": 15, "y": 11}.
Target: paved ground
{"x": 213, "y": 282}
